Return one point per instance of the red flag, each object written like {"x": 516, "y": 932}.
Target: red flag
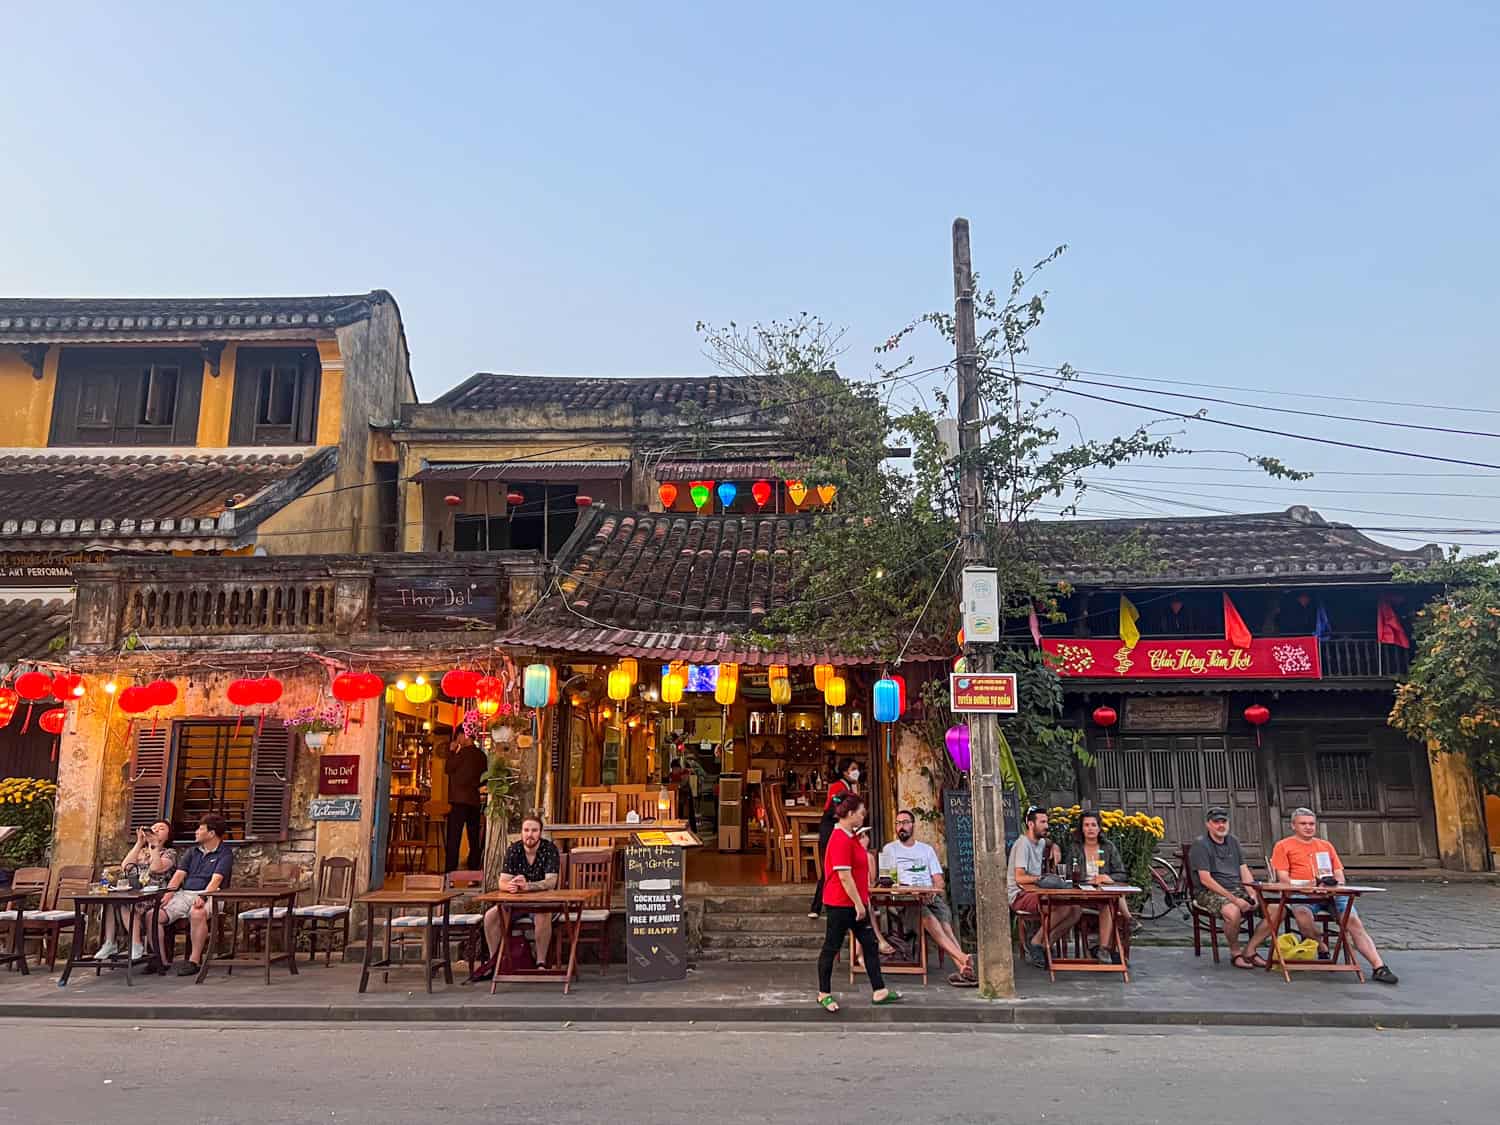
{"x": 1235, "y": 630}
{"x": 1036, "y": 627}
{"x": 1388, "y": 627}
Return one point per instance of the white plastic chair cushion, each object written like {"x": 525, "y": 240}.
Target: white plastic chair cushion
{"x": 38, "y": 916}
{"x": 596, "y": 915}
{"x": 320, "y": 910}
{"x": 409, "y": 920}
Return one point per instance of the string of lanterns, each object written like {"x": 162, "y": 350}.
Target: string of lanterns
{"x": 761, "y": 491}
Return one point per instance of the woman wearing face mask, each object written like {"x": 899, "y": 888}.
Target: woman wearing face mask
{"x": 846, "y": 782}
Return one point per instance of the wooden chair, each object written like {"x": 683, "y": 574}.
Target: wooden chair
{"x": 43, "y": 924}
{"x": 576, "y": 796}
{"x": 1206, "y": 919}
{"x": 592, "y": 869}
{"x": 785, "y": 842}
{"x": 809, "y": 853}
{"x": 272, "y": 875}
{"x": 407, "y": 926}
{"x": 330, "y": 912}
{"x": 597, "y": 808}
{"x": 463, "y": 924}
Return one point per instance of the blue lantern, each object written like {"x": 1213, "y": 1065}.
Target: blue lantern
{"x": 887, "y": 700}
{"x": 536, "y": 685}
{"x": 727, "y": 493}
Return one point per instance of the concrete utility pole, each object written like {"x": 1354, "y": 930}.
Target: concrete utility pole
{"x": 997, "y": 972}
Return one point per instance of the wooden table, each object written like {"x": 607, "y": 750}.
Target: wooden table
{"x": 1110, "y": 897}
{"x": 17, "y": 954}
{"x": 390, "y": 902}
{"x": 1280, "y": 897}
{"x": 228, "y": 904}
{"x": 615, "y": 832}
{"x": 569, "y": 903}
{"x": 122, "y": 903}
{"x": 903, "y": 897}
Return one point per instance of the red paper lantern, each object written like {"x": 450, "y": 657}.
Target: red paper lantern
{"x": 515, "y": 499}
{"x": 242, "y": 693}
{"x": 1106, "y": 716}
{"x": 1257, "y": 716}
{"x": 459, "y": 683}
{"x": 135, "y": 700}
{"x": 268, "y": 689}
{"x": 163, "y": 693}
{"x": 453, "y": 500}
{"x": 8, "y": 701}
{"x": 584, "y": 501}
{"x": 346, "y": 687}
{"x": 52, "y": 721}
{"x": 668, "y": 494}
{"x": 489, "y": 687}
{"x": 67, "y": 685}
{"x": 371, "y": 686}
{"x": 32, "y": 686}
{"x": 760, "y": 491}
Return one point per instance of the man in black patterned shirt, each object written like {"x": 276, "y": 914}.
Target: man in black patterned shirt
{"x": 530, "y": 864}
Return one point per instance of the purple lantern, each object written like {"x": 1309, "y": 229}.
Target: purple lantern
{"x": 957, "y": 739}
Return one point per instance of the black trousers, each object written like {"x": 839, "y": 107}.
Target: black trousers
{"x": 825, "y": 832}
{"x": 461, "y": 817}
{"x": 841, "y": 920}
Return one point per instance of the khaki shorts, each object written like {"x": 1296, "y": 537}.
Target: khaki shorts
{"x": 176, "y": 908}
{"x": 1214, "y": 902}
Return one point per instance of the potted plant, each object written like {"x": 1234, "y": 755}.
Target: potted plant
{"x": 316, "y": 722}
{"x": 27, "y": 804}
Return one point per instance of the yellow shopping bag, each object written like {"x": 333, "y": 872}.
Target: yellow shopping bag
{"x": 1293, "y": 948}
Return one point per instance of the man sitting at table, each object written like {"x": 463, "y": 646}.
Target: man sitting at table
{"x": 530, "y": 864}
{"x": 916, "y": 865}
{"x": 1223, "y": 879}
{"x": 1303, "y": 857}
{"x": 1028, "y": 859}
{"x": 201, "y": 870}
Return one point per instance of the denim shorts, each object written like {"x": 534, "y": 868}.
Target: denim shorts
{"x": 1334, "y": 906}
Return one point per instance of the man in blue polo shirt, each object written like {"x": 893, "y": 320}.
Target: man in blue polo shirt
{"x": 201, "y": 870}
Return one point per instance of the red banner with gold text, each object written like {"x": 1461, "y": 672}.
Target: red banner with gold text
{"x": 1267, "y": 658}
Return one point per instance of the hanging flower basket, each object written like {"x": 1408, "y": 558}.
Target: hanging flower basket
{"x": 316, "y": 722}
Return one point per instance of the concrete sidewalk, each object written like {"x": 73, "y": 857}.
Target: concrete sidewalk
{"x": 1167, "y": 987}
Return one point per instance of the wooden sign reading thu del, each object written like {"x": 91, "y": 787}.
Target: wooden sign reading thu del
{"x": 338, "y": 775}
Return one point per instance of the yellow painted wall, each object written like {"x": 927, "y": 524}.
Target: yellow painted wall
{"x": 26, "y": 415}
{"x": 320, "y": 521}
{"x": 330, "y": 394}
{"x": 218, "y": 401}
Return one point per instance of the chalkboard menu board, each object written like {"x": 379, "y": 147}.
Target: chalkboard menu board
{"x": 958, "y": 824}
{"x": 655, "y": 927}
{"x": 417, "y": 603}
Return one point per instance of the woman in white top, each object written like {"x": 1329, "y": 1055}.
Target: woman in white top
{"x": 155, "y": 862}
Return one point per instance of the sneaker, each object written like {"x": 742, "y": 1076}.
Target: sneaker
{"x": 106, "y": 951}
{"x": 187, "y": 969}
{"x": 137, "y": 950}
{"x": 1036, "y": 955}
{"x": 1106, "y": 957}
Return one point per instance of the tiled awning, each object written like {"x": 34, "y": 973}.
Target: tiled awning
{"x": 29, "y": 627}
{"x": 525, "y": 471}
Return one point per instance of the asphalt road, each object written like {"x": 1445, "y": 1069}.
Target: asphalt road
{"x": 56, "y": 1072}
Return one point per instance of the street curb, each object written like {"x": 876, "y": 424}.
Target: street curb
{"x": 992, "y": 1014}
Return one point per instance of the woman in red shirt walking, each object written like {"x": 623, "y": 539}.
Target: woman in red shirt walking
{"x": 847, "y": 781}
{"x": 846, "y": 895}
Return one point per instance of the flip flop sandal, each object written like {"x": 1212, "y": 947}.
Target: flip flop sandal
{"x": 889, "y": 998}
{"x": 828, "y": 1004}
{"x": 960, "y": 980}
{"x": 1260, "y": 962}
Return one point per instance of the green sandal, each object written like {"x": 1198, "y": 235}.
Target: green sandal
{"x": 892, "y": 997}
{"x": 828, "y": 1004}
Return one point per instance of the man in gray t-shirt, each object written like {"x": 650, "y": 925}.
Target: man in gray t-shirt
{"x": 1222, "y": 879}
{"x": 1028, "y": 859}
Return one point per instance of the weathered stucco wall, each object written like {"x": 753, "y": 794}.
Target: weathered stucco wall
{"x": 918, "y": 792}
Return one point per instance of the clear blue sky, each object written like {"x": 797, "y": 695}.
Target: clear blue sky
{"x": 1295, "y": 198}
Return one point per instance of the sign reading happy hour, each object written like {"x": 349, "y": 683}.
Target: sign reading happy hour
{"x": 1267, "y": 658}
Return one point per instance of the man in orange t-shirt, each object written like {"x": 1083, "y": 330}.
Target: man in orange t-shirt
{"x": 1303, "y": 857}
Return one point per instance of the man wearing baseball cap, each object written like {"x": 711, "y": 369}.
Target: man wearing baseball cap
{"x": 1224, "y": 882}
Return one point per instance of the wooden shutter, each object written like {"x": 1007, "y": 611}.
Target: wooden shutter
{"x": 270, "y": 783}
{"x": 149, "y": 774}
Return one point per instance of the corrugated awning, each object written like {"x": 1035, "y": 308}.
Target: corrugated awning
{"x": 29, "y": 627}
{"x": 525, "y": 471}
{"x": 726, "y": 470}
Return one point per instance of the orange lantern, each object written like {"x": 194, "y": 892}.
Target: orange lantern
{"x": 836, "y": 692}
{"x": 8, "y": 701}
{"x": 727, "y": 687}
{"x": 822, "y": 673}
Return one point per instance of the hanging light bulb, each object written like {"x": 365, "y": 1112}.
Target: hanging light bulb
{"x": 401, "y": 684}
{"x": 110, "y": 687}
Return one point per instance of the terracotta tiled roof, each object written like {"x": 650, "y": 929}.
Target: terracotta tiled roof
{"x": 1297, "y": 545}
{"x": 28, "y": 628}
{"x": 62, "y": 497}
{"x": 670, "y": 586}
{"x": 487, "y": 391}
{"x": 42, "y": 320}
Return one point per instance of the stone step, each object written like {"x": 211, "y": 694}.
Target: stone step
{"x": 785, "y": 956}
{"x": 763, "y": 940}
{"x": 780, "y": 922}
{"x": 750, "y": 904}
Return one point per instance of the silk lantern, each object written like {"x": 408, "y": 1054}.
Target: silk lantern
{"x": 163, "y": 693}
{"x": 957, "y": 741}
{"x": 822, "y": 673}
{"x": 67, "y": 685}
{"x": 371, "y": 686}
{"x": 668, "y": 495}
{"x": 1106, "y": 717}
{"x": 727, "y": 687}
{"x": 32, "y": 687}
{"x": 887, "y": 700}
{"x": 618, "y": 685}
{"x": 242, "y": 693}
{"x": 136, "y": 700}
{"x": 1257, "y": 716}
{"x": 515, "y": 499}
{"x": 536, "y": 683}
{"x": 781, "y": 690}
{"x": 52, "y": 721}
{"x": 633, "y": 667}
{"x": 836, "y": 692}
{"x": 901, "y": 686}
{"x": 699, "y": 490}
{"x": 797, "y": 491}
{"x": 672, "y": 685}
{"x": 583, "y": 501}
{"x": 418, "y": 691}
{"x": 8, "y": 701}
{"x": 459, "y": 683}
{"x": 760, "y": 492}
{"x": 727, "y": 493}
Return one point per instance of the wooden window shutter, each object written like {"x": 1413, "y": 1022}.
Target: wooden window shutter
{"x": 149, "y": 774}
{"x": 270, "y": 783}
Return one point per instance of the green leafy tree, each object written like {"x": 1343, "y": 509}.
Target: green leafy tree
{"x": 1450, "y": 699}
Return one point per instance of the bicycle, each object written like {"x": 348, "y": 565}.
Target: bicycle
{"x": 1169, "y": 888}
